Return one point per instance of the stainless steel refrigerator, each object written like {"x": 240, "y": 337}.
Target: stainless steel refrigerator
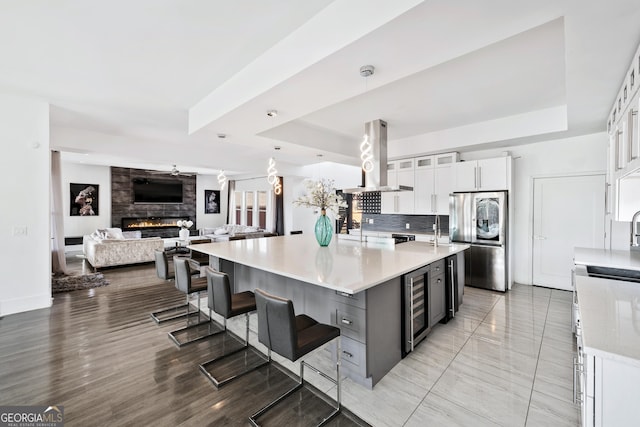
{"x": 481, "y": 220}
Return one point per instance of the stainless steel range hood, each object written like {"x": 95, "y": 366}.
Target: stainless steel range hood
{"x": 376, "y": 180}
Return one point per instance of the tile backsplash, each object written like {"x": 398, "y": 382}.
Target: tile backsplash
{"x": 397, "y": 223}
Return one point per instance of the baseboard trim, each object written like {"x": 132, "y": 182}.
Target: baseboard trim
{"x": 20, "y": 305}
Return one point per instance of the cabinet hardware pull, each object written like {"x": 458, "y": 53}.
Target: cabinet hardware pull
{"x": 346, "y": 321}
{"x": 453, "y": 290}
{"x": 575, "y": 380}
{"x": 439, "y": 280}
{"x": 346, "y": 353}
{"x": 344, "y": 294}
{"x": 411, "y": 312}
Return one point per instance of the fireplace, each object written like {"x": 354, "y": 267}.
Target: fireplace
{"x": 154, "y": 226}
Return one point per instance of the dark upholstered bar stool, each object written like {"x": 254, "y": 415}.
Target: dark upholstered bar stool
{"x": 293, "y": 337}
{"x": 228, "y": 305}
{"x": 198, "y": 260}
{"x": 164, "y": 272}
{"x": 184, "y": 283}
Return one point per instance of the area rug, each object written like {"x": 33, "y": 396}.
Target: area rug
{"x": 74, "y": 283}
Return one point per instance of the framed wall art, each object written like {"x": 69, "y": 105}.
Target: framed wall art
{"x": 83, "y": 199}
{"x": 212, "y": 201}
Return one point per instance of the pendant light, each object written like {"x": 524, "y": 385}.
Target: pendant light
{"x": 366, "y": 149}
{"x": 222, "y": 180}
{"x": 272, "y": 172}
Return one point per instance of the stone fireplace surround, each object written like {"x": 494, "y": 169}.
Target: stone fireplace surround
{"x": 123, "y": 207}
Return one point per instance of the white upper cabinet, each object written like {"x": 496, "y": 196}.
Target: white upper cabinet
{"x": 433, "y": 183}
{"x": 399, "y": 172}
{"x": 482, "y": 175}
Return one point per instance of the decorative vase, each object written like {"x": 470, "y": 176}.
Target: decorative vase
{"x": 324, "y": 229}
{"x": 184, "y": 234}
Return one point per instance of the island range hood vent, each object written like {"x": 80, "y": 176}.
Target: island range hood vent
{"x": 376, "y": 179}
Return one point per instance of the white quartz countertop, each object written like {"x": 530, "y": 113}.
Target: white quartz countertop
{"x": 345, "y": 265}
{"x": 629, "y": 260}
{"x": 610, "y": 318}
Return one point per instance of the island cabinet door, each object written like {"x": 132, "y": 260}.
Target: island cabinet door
{"x": 437, "y": 295}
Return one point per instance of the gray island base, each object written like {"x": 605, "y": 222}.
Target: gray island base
{"x": 357, "y": 287}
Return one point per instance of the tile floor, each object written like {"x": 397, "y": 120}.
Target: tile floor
{"x": 505, "y": 359}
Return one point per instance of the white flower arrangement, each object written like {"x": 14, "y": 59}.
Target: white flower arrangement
{"x": 184, "y": 224}
{"x": 321, "y": 194}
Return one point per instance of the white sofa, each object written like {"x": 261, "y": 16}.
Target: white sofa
{"x": 111, "y": 247}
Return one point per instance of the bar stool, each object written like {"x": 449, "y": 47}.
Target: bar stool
{"x": 291, "y": 336}
{"x": 198, "y": 260}
{"x": 164, "y": 272}
{"x": 184, "y": 283}
{"x": 228, "y": 305}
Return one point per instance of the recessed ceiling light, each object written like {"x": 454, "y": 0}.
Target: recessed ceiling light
{"x": 277, "y": 148}
{"x": 222, "y": 135}
{"x": 272, "y": 113}
{"x": 319, "y": 155}
{"x": 367, "y": 70}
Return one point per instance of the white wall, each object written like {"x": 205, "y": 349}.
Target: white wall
{"x": 25, "y": 252}
{"x": 210, "y": 182}
{"x": 569, "y": 156}
{"x": 76, "y": 173}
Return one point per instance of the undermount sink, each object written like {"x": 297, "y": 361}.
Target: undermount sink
{"x": 613, "y": 273}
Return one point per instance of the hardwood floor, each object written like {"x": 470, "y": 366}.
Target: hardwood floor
{"x": 506, "y": 359}
{"x": 98, "y": 353}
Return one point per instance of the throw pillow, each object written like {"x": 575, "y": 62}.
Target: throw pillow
{"x": 114, "y": 233}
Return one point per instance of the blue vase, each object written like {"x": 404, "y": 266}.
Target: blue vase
{"x": 324, "y": 229}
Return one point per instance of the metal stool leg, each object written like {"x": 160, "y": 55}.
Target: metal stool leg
{"x": 191, "y": 332}
{"x": 253, "y": 418}
{"x": 208, "y": 366}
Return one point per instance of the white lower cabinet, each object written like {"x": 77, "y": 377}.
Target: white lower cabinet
{"x": 610, "y": 392}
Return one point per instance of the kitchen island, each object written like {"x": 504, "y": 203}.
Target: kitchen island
{"x": 356, "y": 286}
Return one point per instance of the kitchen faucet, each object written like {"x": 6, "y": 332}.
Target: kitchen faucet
{"x": 635, "y": 245}
{"x": 436, "y": 231}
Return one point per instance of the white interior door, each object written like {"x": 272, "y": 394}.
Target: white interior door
{"x": 568, "y": 211}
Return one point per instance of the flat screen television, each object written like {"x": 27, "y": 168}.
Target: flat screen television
{"x": 156, "y": 191}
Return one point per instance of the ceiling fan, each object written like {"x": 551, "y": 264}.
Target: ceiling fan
{"x": 173, "y": 172}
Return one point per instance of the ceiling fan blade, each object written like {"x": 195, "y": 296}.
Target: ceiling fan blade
{"x": 173, "y": 172}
